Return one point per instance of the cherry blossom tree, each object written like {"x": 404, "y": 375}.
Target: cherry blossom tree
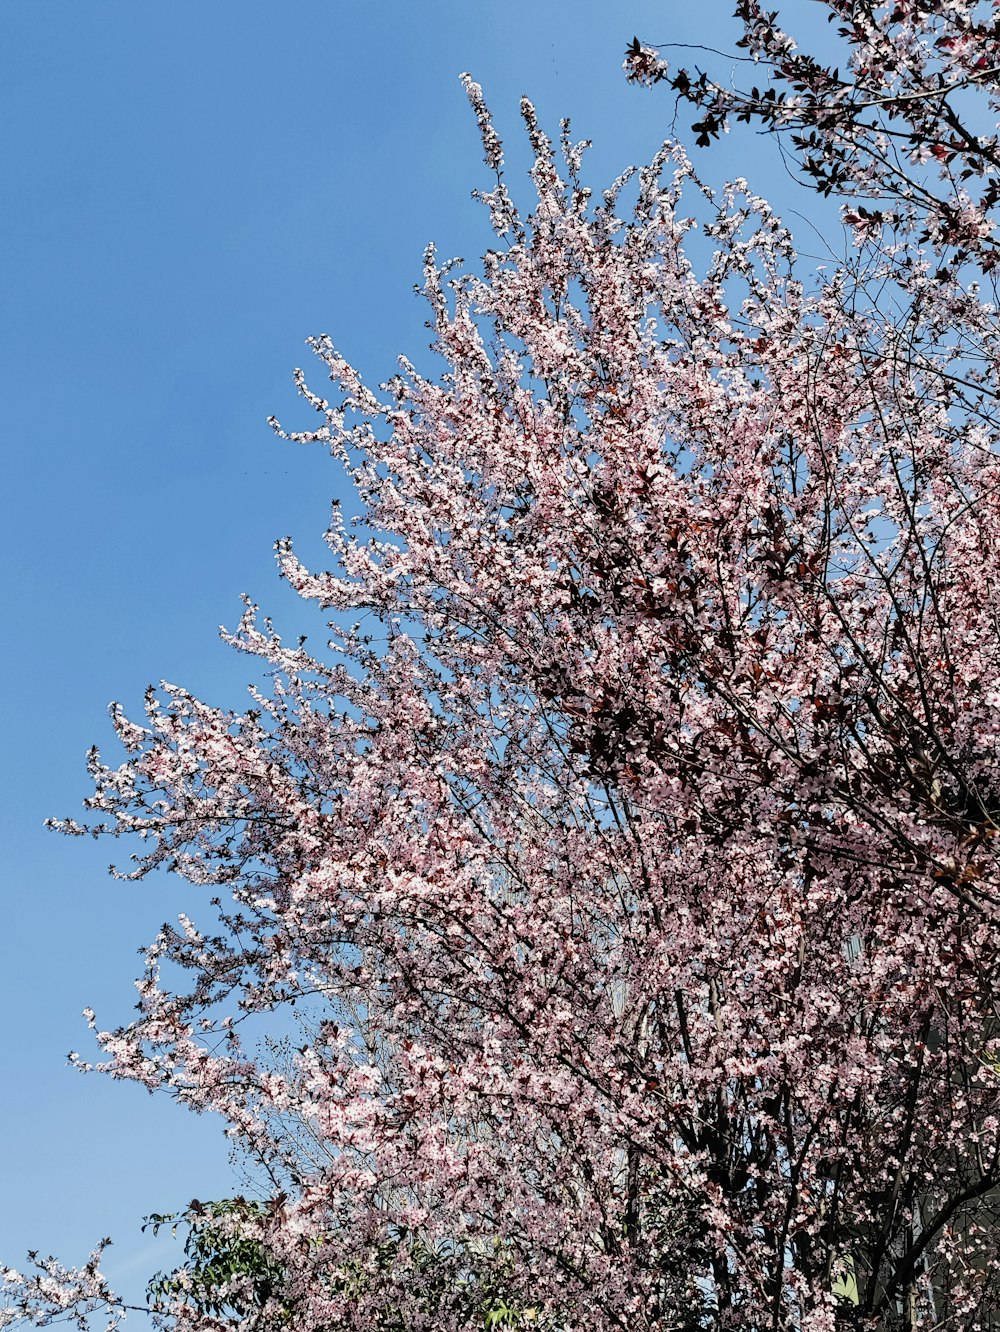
{"x": 631, "y": 852}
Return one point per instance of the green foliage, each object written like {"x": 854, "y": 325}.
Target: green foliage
{"x": 227, "y": 1271}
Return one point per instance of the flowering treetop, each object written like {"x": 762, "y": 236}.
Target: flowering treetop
{"x": 632, "y": 851}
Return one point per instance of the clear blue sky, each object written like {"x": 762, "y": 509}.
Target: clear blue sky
{"x": 187, "y": 192}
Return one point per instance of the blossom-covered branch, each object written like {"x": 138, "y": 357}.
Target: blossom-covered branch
{"x": 904, "y": 113}
{"x": 52, "y": 1293}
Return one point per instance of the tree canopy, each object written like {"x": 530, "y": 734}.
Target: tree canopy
{"x": 631, "y": 851}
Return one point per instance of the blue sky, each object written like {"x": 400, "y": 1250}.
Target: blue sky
{"x": 187, "y": 192}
